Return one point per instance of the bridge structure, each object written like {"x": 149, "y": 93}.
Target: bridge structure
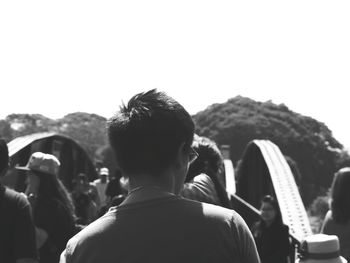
{"x": 72, "y": 156}
{"x": 263, "y": 170}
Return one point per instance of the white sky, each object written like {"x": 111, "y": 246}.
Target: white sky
{"x": 58, "y": 57}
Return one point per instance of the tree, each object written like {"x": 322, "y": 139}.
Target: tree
{"x": 308, "y": 142}
{"x": 24, "y": 124}
{"x": 5, "y": 131}
{"x": 89, "y": 130}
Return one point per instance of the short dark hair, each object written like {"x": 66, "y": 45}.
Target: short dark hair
{"x": 209, "y": 162}
{"x": 4, "y": 156}
{"x": 340, "y": 196}
{"x": 147, "y": 132}
{"x": 209, "y": 158}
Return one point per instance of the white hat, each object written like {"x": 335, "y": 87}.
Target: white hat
{"x": 320, "y": 248}
{"x": 42, "y": 162}
{"x": 104, "y": 171}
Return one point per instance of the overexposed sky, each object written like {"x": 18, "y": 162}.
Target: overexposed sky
{"x": 58, "y": 57}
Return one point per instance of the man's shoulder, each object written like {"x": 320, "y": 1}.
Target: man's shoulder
{"x": 95, "y": 182}
{"x": 116, "y": 222}
{"x": 181, "y": 206}
{"x": 90, "y": 236}
{"x": 212, "y": 211}
{"x": 96, "y": 228}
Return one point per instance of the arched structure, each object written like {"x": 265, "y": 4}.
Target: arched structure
{"x": 72, "y": 156}
{"x": 230, "y": 181}
{"x": 264, "y": 170}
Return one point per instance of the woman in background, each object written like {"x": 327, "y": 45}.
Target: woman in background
{"x": 270, "y": 234}
{"x": 337, "y": 220}
{"x": 52, "y": 207}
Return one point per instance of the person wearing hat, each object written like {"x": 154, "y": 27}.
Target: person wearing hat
{"x": 17, "y": 232}
{"x": 101, "y": 185}
{"x": 320, "y": 248}
{"x": 52, "y": 207}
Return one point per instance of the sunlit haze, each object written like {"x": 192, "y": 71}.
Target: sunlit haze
{"x": 59, "y": 57}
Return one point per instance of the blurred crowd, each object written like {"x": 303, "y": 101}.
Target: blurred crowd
{"x": 134, "y": 212}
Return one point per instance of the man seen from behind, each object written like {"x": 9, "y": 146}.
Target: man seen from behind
{"x": 152, "y": 137}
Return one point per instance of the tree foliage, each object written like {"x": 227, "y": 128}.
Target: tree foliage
{"x": 89, "y": 130}
{"x": 314, "y": 153}
{"x": 307, "y": 141}
{"x": 24, "y": 124}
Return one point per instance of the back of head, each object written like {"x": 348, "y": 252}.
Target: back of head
{"x": 209, "y": 162}
{"x": 209, "y": 158}
{"x": 340, "y": 196}
{"x": 4, "y": 156}
{"x": 147, "y": 132}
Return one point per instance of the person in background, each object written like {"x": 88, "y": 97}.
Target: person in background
{"x": 337, "y": 220}
{"x": 88, "y": 188}
{"x": 86, "y": 209}
{"x": 52, "y": 207}
{"x": 92, "y": 190}
{"x": 101, "y": 185}
{"x": 113, "y": 193}
{"x": 124, "y": 185}
{"x": 270, "y": 234}
{"x": 114, "y": 188}
{"x": 202, "y": 180}
{"x": 98, "y": 166}
{"x": 17, "y": 231}
{"x": 152, "y": 137}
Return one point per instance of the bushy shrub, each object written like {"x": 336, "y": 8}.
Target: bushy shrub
{"x": 319, "y": 206}
{"x": 317, "y": 212}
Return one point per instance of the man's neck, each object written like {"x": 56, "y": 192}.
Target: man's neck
{"x": 163, "y": 180}
{"x": 147, "y": 187}
{"x": 146, "y": 193}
